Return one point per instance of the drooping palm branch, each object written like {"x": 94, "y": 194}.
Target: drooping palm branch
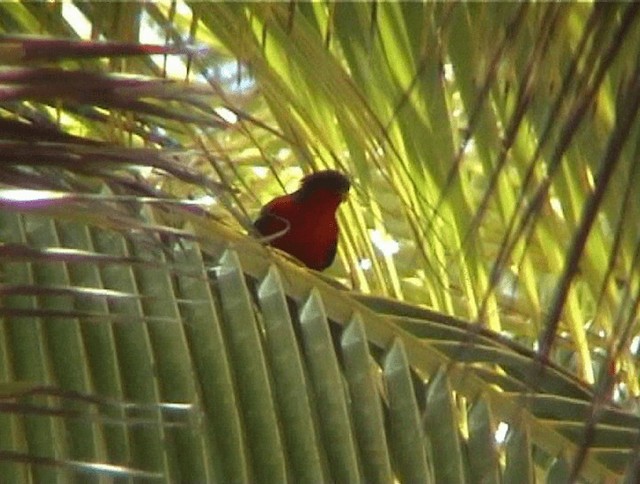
{"x": 492, "y": 150}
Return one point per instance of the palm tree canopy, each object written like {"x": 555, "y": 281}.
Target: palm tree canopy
{"x": 487, "y": 268}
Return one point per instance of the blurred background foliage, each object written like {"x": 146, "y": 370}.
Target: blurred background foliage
{"x": 492, "y": 146}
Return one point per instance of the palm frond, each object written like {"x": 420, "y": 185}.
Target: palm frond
{"x": 488, "y": 145}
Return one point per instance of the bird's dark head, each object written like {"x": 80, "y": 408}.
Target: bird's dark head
{"x": 326, "y": 181}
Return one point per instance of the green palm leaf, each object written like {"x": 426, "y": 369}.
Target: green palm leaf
{"x": 142, "y": 330}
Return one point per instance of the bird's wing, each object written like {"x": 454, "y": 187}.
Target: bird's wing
{"x": 263, "y": 222}
{"x": 271, "y": 220}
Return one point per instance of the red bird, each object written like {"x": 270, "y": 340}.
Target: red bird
{"x": 307, "y": 219}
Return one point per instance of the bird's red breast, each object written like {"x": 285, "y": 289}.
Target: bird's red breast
{"x": 307, "y": 219}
